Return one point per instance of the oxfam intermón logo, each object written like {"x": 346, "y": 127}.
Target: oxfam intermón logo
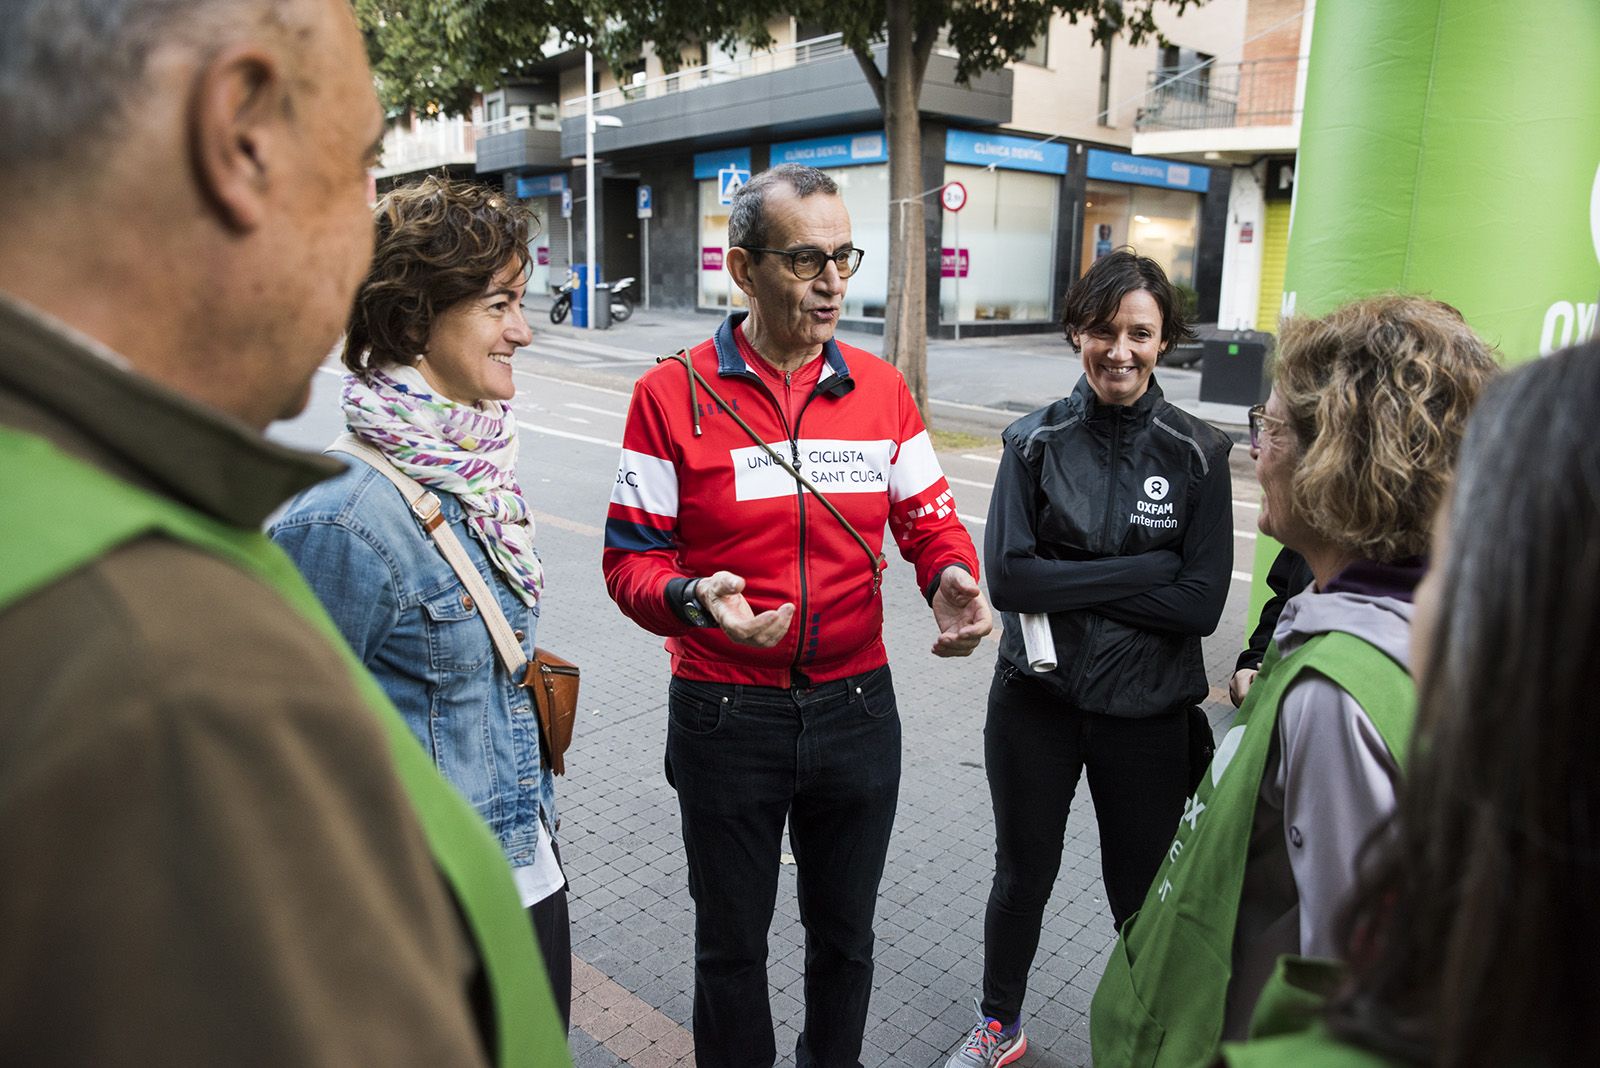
{"x": 1573, "y": 322}
{"x": 1594, "y": 213}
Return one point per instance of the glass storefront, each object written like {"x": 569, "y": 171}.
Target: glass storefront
{"x": 866, "y": 197}
{"x": 716, "y": 285}
{"x": 1163, "y": 224}
{"x": 1004, "y": 265}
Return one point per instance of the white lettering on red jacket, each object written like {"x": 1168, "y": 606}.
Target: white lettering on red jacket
{"x": 684, "y": 505}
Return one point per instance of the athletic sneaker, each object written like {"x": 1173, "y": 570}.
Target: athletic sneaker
{"x": 990, "y": 1044}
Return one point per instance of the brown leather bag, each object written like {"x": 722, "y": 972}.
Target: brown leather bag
{"x": 553, "y": 684}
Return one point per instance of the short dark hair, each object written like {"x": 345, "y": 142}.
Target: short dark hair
{"x": 1095, "y": 298}
{"x": 439, "y": 242}
{"x": 747, "y": 224}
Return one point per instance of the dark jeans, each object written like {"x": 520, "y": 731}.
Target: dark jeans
{"x": 743, "y": 758}
{"x": 1035, "y": 749}
{"x": 553, "y": 931}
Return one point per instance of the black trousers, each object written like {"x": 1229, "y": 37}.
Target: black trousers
{"x": 1035, "y": 750}
{"x": 743, "y": 759}
{"x": 553, "y": 931}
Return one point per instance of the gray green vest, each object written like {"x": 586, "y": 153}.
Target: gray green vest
{"x": 36, "y": 549}
{"x": 1162, "y": 998}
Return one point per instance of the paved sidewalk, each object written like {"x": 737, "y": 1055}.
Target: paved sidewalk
{"x": 631, "y": 912}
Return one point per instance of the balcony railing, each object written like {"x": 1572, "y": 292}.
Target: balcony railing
{"x": 782, "y": 58}
{"x": 427, "y": 144}
{"x": 1256, "y": 92}
{"x": 539, "y": 119}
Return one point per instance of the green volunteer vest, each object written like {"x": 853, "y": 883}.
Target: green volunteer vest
{"x": 1161, "y": 1000}
{"x": 37, "y": 548}
{"x": 1287, "y": 1025}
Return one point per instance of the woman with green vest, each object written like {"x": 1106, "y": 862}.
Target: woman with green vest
{"x": 1353, "y": 451}
{"x": 1471, "y": 935}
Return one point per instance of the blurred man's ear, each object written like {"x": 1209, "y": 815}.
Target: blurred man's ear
{"x": 238, "y": 132}
{"x": 739, "y": 263}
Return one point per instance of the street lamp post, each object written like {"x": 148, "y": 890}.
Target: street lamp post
{"x": 590, "y": 121}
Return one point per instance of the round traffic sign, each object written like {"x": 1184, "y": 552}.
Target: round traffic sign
{"x": 954, "y": 196}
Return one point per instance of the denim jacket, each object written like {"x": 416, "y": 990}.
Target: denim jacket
{"x": 410, "y": 620}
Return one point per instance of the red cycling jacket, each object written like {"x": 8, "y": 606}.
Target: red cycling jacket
{"x": 685, "y": 506}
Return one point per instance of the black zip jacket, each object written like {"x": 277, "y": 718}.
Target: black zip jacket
{"x": 1116, "y": 521}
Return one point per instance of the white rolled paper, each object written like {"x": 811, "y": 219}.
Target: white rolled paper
{"x": 1037, "y": 640}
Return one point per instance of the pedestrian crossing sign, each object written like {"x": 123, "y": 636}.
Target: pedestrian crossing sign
{"x": 730, "y": 180}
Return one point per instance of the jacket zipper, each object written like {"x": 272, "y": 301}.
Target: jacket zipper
{"x": 1112, "y": 477}
{"x": 797, "y": 677}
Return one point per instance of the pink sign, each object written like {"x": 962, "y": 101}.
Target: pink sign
{"x": 948, "y": 266}
{"x": 543, "y": 257}
{"x": 711, "y": 259}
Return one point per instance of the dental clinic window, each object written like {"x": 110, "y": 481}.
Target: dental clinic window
{"x": 857, "y": 162}
{"x": 714, "y": 171}
{"x": 1151, "y": 204}
{"x": 999, "y": 255}
{"x": 1163, "y": 224}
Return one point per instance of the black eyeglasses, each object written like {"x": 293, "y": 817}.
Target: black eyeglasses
{"x": 1258, "y": 423}
{"x": 807, "y": 263}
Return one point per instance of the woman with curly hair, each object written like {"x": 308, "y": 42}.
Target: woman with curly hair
{"x": 1353, "y": 450}
{"x": 1470, "y": 938}
{"x": 428, "y": 350}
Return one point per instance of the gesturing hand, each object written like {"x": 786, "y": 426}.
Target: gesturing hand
{"x": 961, "y": 613}
{"x": 722, "y": 596}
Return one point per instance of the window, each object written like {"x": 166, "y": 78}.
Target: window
{"x": 1185, "y": 72}
{"x": 1163, "y": 224}
{"x": 716, "y": 289}
{"x": 1038, "y": 53}
{"x": 1005, "y": 264}
{"x": 493, "y": 108}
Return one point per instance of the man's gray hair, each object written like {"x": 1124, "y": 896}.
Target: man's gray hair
{"x": 747, "y": 224}
{"x": 71, "y": 70}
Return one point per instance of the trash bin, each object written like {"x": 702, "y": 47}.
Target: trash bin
{"x": 602, "y": 306}
{"x": 580, "y": 296}
{"x": 1235, "y": 368}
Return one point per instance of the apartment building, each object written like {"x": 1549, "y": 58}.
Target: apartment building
{"x": 1047, "y": 150}
{"x": 1241, "y": 110}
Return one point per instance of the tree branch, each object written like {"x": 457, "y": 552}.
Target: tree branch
{"x": 869, "y": 67}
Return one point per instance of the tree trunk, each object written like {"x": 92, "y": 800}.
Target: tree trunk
{"x": 905, "y": 325}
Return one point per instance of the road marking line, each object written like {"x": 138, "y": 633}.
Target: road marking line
{"x": 1245, "y": 534}
{"x": 570, "y": 382}
{"x": 597, "y": 411}
{"x": 973, "y": 407}
{"x": 1246, "y": 504}
{"x": 969, "y": 482}
{"x": 524, "y": 424}
{"x": 982, "y": 459}
{"x": 1243, "y": 576}
{"x": 971, "y": 519}
{"x": 563, "y": 523}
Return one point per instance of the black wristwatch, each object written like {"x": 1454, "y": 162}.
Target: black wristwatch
{"x": 693, "y": 610}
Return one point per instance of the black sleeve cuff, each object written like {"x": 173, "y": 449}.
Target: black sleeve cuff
{"x": 933, "y": 587}
{"x": 675, "y": 597}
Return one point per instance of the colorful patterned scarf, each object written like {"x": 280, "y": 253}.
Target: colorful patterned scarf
{"x": 463, "y": 449}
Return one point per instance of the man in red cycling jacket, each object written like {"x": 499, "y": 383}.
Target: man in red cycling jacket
{"x": 780, "y": 704}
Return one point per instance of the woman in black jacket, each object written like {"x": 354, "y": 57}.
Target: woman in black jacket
{"x": 1111, "y": 514}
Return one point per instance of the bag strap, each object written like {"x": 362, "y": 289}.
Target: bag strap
{"x": 425, "y": 506}
{"x": 877, "y": 561}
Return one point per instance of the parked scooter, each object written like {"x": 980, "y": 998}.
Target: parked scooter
{"x": 622, "y": 299}
{"x": 563, "y": 292}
